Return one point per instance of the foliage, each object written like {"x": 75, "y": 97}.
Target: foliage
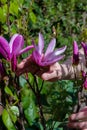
{"x": 26, "y": 105}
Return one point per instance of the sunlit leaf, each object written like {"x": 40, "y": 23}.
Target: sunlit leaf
{"x": 3, "y": 12}
{"x": 14, "y": 7}
{"x": 8, "y": 91}
{"x": 31, "y": 112}
{"x": 32, "y": 17}
{"x": 7, "y": 120}
{"x": 14, "y": 113}
{"x": 3, "y": 1}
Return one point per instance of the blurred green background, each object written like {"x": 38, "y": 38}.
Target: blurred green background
{"x": 66, "y": 20}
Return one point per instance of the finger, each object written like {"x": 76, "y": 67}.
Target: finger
{"x": 84, "y": 109}
{"x": 51, "y": 75}
{"x": 26, "y": 65}
{"x": 78, "y": 116}
{"x": 78, "y": 125}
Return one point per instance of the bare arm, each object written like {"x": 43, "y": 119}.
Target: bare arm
{"x": 66, "y": 70}
{"x": 55, "y": 71}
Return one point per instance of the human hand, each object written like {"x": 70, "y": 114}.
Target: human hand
{"x": 79, "y": 120}
{"x": 27, "y": 65}
{"x": 49, "y": 73}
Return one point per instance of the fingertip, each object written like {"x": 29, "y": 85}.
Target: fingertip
{"x": 74, "y": 117}
{"x": 45, "y": 76}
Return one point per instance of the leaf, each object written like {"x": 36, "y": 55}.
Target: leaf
{"x": 8, "y": 91}
{"x": 15, "y": 110}
{"x": 22, "y": 81}
{"x": 3, "y": 12}
{"x": 14, "y": 8}
{"x": 7, "y": 120}
{"x": 14, "y": 113}
{"x": 26, "y": 95}
{"x": 31, "y": 112}
{"x": 3, "y": 1}
{"x": 32, "y": 17}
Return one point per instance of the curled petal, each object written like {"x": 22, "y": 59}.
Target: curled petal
{"x": 16, "y": 44}
{"x": 75, "y": 53}
{"x": 50, "y": 47}
{"x": 75, "y": 48}
{"x": 84, "y": 45}
{"x": 4, "y": 48}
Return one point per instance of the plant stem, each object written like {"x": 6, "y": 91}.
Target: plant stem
{"x": 41, "y": 112}
{"x": 38, "y": 96}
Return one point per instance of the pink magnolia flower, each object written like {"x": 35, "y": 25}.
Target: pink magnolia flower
{"x": 75, "y": 53}
{"x": 84, "y": 76}
{"x": 84, "y": 45}
{"x": 85, "y": 84}
{"x": 11, "y": 50}
{"x": 50, "y": 56}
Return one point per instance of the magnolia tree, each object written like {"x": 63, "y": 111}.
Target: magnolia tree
{"x": 19, "y": 111}
{"x": 21, "y": 96}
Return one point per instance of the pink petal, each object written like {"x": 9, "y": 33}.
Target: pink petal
{"x": 51, "y": 61}
{"x": 84, "y": 45}
{"x": 85, "y": 84}
{"x": 36, "y": 57}
{"x": 50, "y": 47}
{"x": 57, "y": 52}
{"x": 16, "y": 44}
{"x": 75, "y": 53}
{"x": 25, "y": 49}
{"x": 14, "y": 63}
{"x": 4, "y": 48}
{"x": 75, "y": 48}
{"x": 40, "y": 44}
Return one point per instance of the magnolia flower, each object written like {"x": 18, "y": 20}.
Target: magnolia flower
{"x": 85, "y": 84}
{"x": 84, "y": 76}
{"x": 12, "y": 49}
{"x": 50, "y": 56}
{"x": 84, "y": 45}
{"x": 75, "y": 53}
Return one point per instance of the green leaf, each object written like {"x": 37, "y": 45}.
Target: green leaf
{"x": 31, "y": 112}
{"x": 7, "y": 120}
{"x": 22, "y": 81}
{"x": 8, "y": 91}
{"x": 32, "y": 17}
{"x": 3, "y": 1}
{"x": 26, "y": 95}
{"x": 14, "y": 7}
{"x": 3, "y": 12}
{"x": 15, "y": 110}
{"x": 14, "y": 113}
